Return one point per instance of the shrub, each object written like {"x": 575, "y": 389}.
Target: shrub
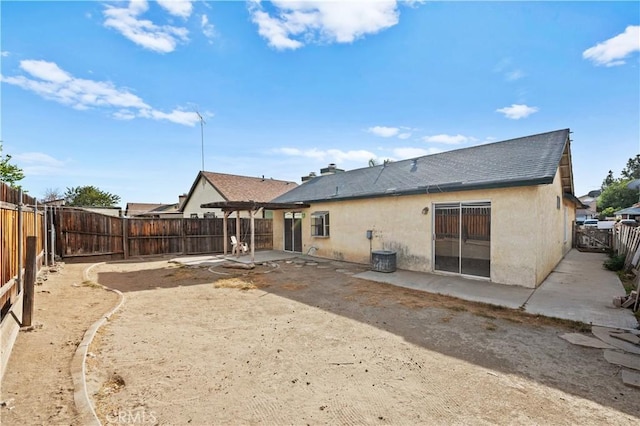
{"x": 615, "y": 262}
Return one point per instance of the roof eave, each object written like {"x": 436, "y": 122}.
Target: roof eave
{"x": 436, "y": 189}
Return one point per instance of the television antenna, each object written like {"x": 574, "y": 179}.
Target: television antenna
{"x": 202, "y": 123}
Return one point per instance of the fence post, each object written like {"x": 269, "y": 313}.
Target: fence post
{"x": 52, "y": 236}
{"x": 184, "y": 236}
{"x": 45, "y": 239}
{"x": 29, "y": 282}
{"x": 125, "y": 239}
{"x": 20, "y": 242}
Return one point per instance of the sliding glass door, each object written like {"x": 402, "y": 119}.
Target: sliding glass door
{"x": 462, "y": 234}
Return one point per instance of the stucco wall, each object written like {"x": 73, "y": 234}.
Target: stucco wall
{"x": 203, "y": 193}
{"x": 400, "y": 225}
{"x": 551, "y": 245}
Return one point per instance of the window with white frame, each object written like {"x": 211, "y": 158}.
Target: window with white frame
{"x": 320, "y": 224}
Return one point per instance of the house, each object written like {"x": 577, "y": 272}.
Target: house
{"x": 211, "y": 187}
{"x": 501, "y": 212}
{"x": 155, "y": 210}
{"x": 590, "y": 211}
{"x": 632, "y": 212}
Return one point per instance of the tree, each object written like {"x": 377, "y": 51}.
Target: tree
{"x": 373, "y": 162}
{"x": 51, "y": 194}
{"x": 608, "y": 180}
{"x": 618, "y": 196}
{"x": 9, "y": 173}
{"x": 89, "y": 196}
{"x": 632, "y": 171}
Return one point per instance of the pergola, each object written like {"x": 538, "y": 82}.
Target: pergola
{"x": 253, "y": 207}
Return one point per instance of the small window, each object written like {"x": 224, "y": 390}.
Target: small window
{"x": 194, "y": 215}
{"x": 209, "y": 215}
{"x": 320, "y": 224}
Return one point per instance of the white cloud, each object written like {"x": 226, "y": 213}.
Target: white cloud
{"x": 207, "y": 28}
{"x": 38, "y": 163}
{"x": 296, "y": 23}
{"x": 383, "y": 131}
{"x": 4, "y": 53}
{"x": 612, "y": 52}
{"x": 145, "y": 33}
{"x": 514, "y": 75}
{"x": 406, "y": 135}
{"x": 510, "y": 72}
{"x": 448, "y": 139}
{"x": 517, "y": 111}
{"x": 179, "y": 8}
{"x": 49, "y": 81}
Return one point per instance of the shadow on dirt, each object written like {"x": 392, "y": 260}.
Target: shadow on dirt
{"x": 495, "y": 338}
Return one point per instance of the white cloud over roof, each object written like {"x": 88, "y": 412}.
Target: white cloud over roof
{"x": 517, "y": 111}
{"x": 49, "y": 81}
{"x": 158, "y": 38}
{"x": 292, "y": 24}
{"x": 613, "y": 51}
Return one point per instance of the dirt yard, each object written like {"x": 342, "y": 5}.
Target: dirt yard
{"x": 307, "y": 343}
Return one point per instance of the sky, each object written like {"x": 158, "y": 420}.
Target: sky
{"x": 111, "y": 93}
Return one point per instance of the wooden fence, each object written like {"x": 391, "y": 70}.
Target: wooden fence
{"x": 81, "y": 233}
{"x": 19, "y": 218}
{"x": 626, "y": 241}
{"x": 476, "y": 224}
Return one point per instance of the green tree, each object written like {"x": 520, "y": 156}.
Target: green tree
{"x": 632, "y": 171}
{"x": 608, "y": 180}
{"x": 89, "y": 196}
{"x": 9, "y": 173}
{"x": 618, "y": 196}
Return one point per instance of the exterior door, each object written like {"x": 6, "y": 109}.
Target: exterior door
{"x": 293, "y": 232}
{"x": 462, "y": 234}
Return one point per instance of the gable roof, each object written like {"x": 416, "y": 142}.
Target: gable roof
{"x": 530, "y": 160}
{"x": 244, "y": 188}
{"x": 140, "y": 209}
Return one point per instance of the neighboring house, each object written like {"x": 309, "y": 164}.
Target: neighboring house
{"x": 108, "y": 211}
{"x": 632, "y": 212}
{"x": 501, "y": 212}
{"x": 211, "y": 187}
{"x": 591, "y": 211}
{"x": 163, "y": 211}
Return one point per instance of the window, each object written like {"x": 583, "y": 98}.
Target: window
{"x": 320, "y": 224}
{"x": 194, "y": 215}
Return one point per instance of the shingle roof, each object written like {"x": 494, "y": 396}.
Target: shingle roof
{"x": 138, "y": 209}
{"x": 530, "y": 160}
{"x": 634, "y": 209}
{"x": 245, "y": 188}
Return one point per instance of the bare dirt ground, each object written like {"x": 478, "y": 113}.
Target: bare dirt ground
{"x": 37, "y": 385}
{"x": 307, "y": 343}
{"x": 299, "y": 343}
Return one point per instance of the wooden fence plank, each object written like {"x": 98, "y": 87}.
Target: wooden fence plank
{"x": 84, "y": 233}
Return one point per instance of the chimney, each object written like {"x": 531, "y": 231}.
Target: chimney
{"x": 181, "y": 199}
{"x": 331, "y": 169}
{"x": 309, "y": 177}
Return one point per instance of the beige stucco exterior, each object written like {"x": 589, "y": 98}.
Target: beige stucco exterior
{"x": 202, "y": 193}
{"x": 529, "y": 233}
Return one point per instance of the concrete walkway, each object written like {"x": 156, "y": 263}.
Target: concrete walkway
{"x": 579, "y": 289}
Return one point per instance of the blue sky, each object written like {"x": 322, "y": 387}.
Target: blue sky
{"x": 105, "y": 93}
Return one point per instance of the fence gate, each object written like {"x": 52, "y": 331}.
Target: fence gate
{"x": 593, "y": 239}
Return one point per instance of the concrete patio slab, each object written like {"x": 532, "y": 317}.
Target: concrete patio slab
{"x": 622, "y": 358}
{"x": 582, "y": 340}
{"x": 474, "y": 290}
{"x": 580, "y": 289}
